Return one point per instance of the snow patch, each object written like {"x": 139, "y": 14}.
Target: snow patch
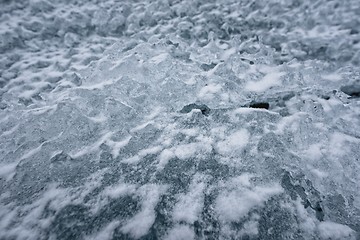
{"x": 335, "y": 231}
{"x": 180, "y": 232}
{"x": 119, "y": 190}
{"x": 233, "y": 143}
{"x": 334, "y": 77}
{"x": 240, "y": 198}
{"x": 164, "y": 158}
{"x": 140, "y": 224}
{"x": 269, "y": 80}
{"x": 189, "y": 206}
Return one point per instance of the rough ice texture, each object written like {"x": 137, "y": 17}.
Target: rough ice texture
{"x": 141, "y": 119}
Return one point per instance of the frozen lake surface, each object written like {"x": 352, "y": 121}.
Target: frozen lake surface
{"x": 172, "y": 119}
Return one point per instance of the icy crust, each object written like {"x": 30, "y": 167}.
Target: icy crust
{"x": 118, "y": 156}
{"x": 46, "y": 41}
{"x": 148, "y": 130}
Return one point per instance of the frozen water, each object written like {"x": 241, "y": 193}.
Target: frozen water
{"x": 179, "y": 119}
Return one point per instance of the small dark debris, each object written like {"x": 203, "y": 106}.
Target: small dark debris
{"x": 306, "y": 203}
{"x": 207, "y": 67}
{"x": 325, "y": 97}
{"x": 3, "y": 106}
{"x": 264, "y": 105}
{"x": 250, "y": 62}
{"x": 129, "y": 46}
{"x": 75, "y": 78}
{"x": 171, "y": 43}
{"x": 288, "y": 96}
{"x": 354, "y": 31}
{"x": 351, "y": 90}
{"x": 319, "y": 211}
{"x": 205, "y": 110}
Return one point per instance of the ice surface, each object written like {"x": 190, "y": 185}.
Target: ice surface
{"x": 179, "y": 119}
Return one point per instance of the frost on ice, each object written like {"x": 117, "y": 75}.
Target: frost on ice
{"x": 179, "y": 119}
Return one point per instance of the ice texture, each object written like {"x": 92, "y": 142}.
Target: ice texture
{"x": 186, "y": 119}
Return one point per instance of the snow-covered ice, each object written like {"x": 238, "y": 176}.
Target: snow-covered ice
{"x": 186, "y": 119}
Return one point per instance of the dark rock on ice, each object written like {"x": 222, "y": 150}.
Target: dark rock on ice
{"x": 249, "y": 61}
{"x": 205, "y": 110}
{"x": 3, "y": 106}
{"x": 319, "y": 211}
{"x": 208, "y": 67}
{"x": 351, "y": 90}
{"x": 264, "y": 105}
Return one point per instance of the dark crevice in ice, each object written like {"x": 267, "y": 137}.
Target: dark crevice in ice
{"x": 303, "y": 188}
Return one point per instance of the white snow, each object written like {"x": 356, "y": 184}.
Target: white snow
{"x": 338, "y": 144}
{"x": 331, "y": 230}
{"x": 141, "y": 154}
{"x": 164, "y": 158}
{"x": 208, "y": 92}
{"x": 334, "y": 77}
{"x": 119, "y": 190}
{"x": 314, "y": 152}
{"x": 239, "y": 198}
{"x": 7, "y": 170}
{"x": 269, "y": 80}
{"x": 234, "y": 142}
{"x": 140, "y": 224}
{"x": 189, "y": 150}
{"x": 189, "y": 205}
{"x": 117, "y": 146}
{"x": 180, "y": 232}
{"x": 105, "y": 233}
{"x": 91, "y": 94}
{"x": 251, "y": 227}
